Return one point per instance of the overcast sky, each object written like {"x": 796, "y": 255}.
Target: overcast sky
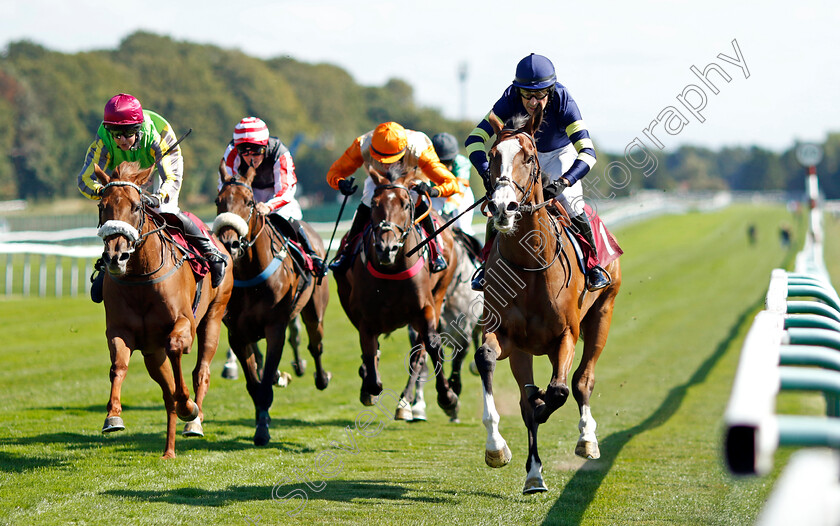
{"x": 624, "y": 62}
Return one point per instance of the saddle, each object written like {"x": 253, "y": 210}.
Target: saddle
{"x": 175, "y": 229}
{"x": 607, "y": 247}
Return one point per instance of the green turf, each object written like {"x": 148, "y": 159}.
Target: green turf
{"x": 691, "y": 286}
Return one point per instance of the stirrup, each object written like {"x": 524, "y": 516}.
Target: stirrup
{"x": 597, "y": 278}
{"x": 318, "y": 267}
{"x": 218, "y": 263}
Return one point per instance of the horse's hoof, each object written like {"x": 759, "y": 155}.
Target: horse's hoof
{"x": 452, "y": 412}
{"x": 192, "y": 416}
{"x": 322, "y": 380}
{"x": 299, "y": 367}
{"x": 474, "y": 368}
{"x": 113, "y": 423}
{"x": 282, "y": 379}
{"x": 230, "y": 371}
{"x": 366, "y": 398}
{"x": 418, "y": 411}
{"x": 587, "y": 450}
{"x": 403, "y": 412}
{"x": 534, "y": 485}
{"x": 193, "y": 429}
{"x": 261, "y": 435}
{"x": 497, "y": 459}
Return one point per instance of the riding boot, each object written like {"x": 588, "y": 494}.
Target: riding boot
{"x": 489, "y": 235}
{"x": 342, "y": 260}
{"x": 96, "y": 280}
{"x": 437, "y": 263}
{"x": 596, "y": 278}
{"x": 214, "y": 257}
{"x": 318, "y": 268}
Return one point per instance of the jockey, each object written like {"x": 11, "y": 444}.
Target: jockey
{"x": 130, "y": 133}
{"x": 564, "y": 149}
{"x": 446, "y": 147}
{"x": 389, "y": 148}
{"x": 275, "y": 183}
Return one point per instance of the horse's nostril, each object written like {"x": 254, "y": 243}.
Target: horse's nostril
{"x": 106, "y": 258}
{"x": 492, "y": 207}
{"x": 512, "y": 206}
{"x": 124, "y": 257}
{"x": 235, "y": 245}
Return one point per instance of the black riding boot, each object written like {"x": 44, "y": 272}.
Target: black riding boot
{"x": 342, "y": 260}
{"x": 96, "y": 280}
{"x": 478, "y": 280}
{"x": 596, "y": 278}
{"x": 317, "y": 261}
{"x": 438, "y": 263}
{"x": 214, "y": 257}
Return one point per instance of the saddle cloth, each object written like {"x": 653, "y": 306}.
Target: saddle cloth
{"x": 198, "y": 264}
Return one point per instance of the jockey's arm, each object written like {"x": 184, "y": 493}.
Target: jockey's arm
{"x": 285, "y": 181}
{"x": 431, "y": 166}
{"x": 579, "y": 136}
{"x": 97, "y": 154}
{"x": 171, "y": 165}
{"x": 346, "y": 165}
{"x": 476, "y": 144}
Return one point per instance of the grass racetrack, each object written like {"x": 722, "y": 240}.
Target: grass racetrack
{"x": 692, "y": 284}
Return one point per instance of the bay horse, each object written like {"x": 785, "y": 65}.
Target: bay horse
{"x": 154, "y": 303}
{"x": 270, "y": 291}
{"x": 459, "y": 325}
{"x": 536, "y": 302}
{"x": 385, "y": 290}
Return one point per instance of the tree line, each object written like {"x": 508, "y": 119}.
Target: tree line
{"x": 51, "y": 104}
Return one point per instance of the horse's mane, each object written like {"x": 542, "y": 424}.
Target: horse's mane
{"x": 517, "y": 122}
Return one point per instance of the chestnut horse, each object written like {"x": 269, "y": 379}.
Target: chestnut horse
{"x": 269, "y": 292}
{"x": 536, "y": 303}
{"x": 150, "y": 303}
{"x": 385, "y": 290}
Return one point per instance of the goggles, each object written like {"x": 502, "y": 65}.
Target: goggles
{"x": 539, "y": 94}
{"x": 123, "y": 131}
{"x": 250, "y": 150}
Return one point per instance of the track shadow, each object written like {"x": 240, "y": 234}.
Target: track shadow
{"x": 581, "y": 489}
{"x": 97, "y": 408}
{"x": 17, "y": 463}
{"x": 294, "y": 496}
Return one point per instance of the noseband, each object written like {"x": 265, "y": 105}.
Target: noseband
{"x": 113, "y": 226}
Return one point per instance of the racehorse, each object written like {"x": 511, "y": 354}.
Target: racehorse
{"x": 153, "y": 302}
{"x": 536, "y": 302}
{"x": 385, "y": 290}
{"x": 458, "y": 327}
{"x": 269, "y": 292}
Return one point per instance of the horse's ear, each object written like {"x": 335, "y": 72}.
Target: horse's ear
{"x": 495, "y": 122}
{"x": 377, "y": 177}
{"x": 250, "y": 174}
{"x": 101, "y": 175}
{"x": 535, "y": 121}
{"x": 143, "y": 176}
{"x": 223, "y": 175}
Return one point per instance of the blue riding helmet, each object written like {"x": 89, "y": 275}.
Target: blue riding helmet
{"x": 534, "y": 72}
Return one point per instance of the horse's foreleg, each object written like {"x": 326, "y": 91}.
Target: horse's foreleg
{"x": 208, "y": 341}
{"x": 120, "y": 355}
{"x": 496, "y": 452}
{"x": 522, "y": 366}
{"x": 447, "y": 399}
{"x": 595, "y": 328}
{"x": 547, "y": 402}
{"x": 313, "y": 318}
{"x": 179, "y": 341}
{"x": 160, "y": 369}
{"x": 369, "y": 370}
{"x": 298, "y": 364}
{"x": 414, "y": 364}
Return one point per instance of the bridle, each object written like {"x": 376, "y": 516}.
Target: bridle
{"x": 521, "y": 207}
{"x": 389, "y": 226}
{"x": 135, "y": 235}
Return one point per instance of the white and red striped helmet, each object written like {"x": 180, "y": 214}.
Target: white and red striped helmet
{"x": 250, "y": 130}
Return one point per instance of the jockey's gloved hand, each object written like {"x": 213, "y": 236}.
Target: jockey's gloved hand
{"x": 346, "y": 187}
{"x": 485, "y": 178}
{"x": 152, "y": 200}
{"x": 424, "y": 188}
{"x": 555, "y": 188}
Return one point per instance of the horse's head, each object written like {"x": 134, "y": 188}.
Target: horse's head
{"x": 121, "y": 213}
{"x": 235, "y": 207}
{"x": 514, "y": 169}
{"x": 391, "y": 217}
